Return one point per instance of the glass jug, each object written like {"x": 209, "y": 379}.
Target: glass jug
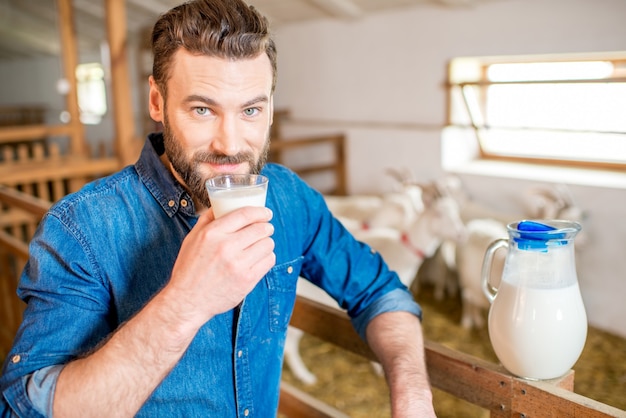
{"x": 537, "y": 320}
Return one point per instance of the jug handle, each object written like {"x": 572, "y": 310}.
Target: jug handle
{"x": 488, "y": 289}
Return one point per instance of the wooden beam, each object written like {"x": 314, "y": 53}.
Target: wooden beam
{"x": 125, "y": 147}
{"x": 543, "y": 399}
{"x": 13, "y": 245}
{"x": 70, "y": 62}
{"x": 31, "y": 204}
{"x": 32, "y": 132}
{"x": 62, "y": 168}
{"x": 329, "y": 324}
{"x": 337, "y": 166}
{"x": 296, "y": 403}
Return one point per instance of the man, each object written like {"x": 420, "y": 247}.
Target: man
{"x": 140, "y": 303}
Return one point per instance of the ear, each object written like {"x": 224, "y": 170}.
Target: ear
{"x": 156, "y": 104}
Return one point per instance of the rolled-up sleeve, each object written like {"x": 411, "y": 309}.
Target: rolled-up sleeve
{"x": 65, "y": 316}
{"x": 31, "y": 395}
{"x": 396, "y": 300}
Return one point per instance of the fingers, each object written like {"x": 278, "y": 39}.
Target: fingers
{"x": 249, "y": 249}
{"x": 222, "y": 260}
{"x": 259, "y": 255}
{"x": 239, "y": 218}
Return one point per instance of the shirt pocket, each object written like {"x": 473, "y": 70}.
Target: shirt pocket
{"x": 281, "y": 286}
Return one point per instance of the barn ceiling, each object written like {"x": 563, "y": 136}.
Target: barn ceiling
{"x": 30, "y": 27}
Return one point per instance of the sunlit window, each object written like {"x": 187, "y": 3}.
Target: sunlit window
{"x": 548, "y": 109}
{"x": 91, "y": 93}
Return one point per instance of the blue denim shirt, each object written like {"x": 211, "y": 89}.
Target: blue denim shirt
{"x": 100, "y": 254}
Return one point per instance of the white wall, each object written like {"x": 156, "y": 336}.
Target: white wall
{"x": 380, "y": 81}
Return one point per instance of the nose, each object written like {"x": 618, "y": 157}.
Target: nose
{"x": 227, "y": 136}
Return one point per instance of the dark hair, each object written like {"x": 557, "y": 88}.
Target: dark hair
{"x": 220, "y": 28}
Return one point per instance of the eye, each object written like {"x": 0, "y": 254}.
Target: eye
{"x": 251, "y": 111}
{"x": 201, "y": 110}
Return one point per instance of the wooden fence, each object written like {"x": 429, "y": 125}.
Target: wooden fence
{"x": 467, "y": 377}
{"x": 33, "y": 174}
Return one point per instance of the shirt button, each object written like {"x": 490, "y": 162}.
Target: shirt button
{"x": 290, "y": 269}
{"x": 183, "y": 203}
{"x": 246, "y": 412}
{"x": 16, "y": 358}
{"x": 171, "y": 203}
{"x": 239, "y": 353}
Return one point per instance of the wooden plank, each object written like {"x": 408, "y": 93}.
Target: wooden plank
{"x": 329, "y": 324}
{"x": 338, "y": 166}
{"x": 543, "y": 399}
{"x": 341, "y": 188}
{"x": 305, "y": 142}
{"x": 126, "y": 148}
{"x": 12, "y": 306}
{"x": 13, "y": 245}
{"x": 472, "y": 379}
{"x": 22, "y": 115}
{"x": 63, "y": 168}
{"x": 69, "y": 47}
{"x": 58, "y": 189}
{"x": 33, "y": 205}
{"x": 32, "y": 132}
{"x": 13, "y": 216}
{"x": 315, "y": 168}
{"x": 478, "y": 381}
{"x": 298, "y": 404}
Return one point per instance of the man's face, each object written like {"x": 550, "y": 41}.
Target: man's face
{"x": 216, "y": 117}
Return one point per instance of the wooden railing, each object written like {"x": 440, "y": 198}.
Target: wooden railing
{"x": 335, "y": 165}
{"x": 467, "y": 377}
{"x": 19, "y": 115}
{"x": 33, "y": 174}
{"x": 13, "y": 256}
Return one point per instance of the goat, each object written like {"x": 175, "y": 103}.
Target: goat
{"x": 557, "y": 202}
{"x": 395, "y": 209}
{"x": 469, "y": 260}
{"x": 403, "y": 251}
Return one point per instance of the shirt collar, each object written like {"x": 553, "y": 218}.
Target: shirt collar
{"x": 159, "y": 181}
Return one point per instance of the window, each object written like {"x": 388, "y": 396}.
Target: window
{"x": 555, "y": 109}
{"x": 91, "y": 93}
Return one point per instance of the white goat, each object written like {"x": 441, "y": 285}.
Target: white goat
{"x": 555, "y": 202}
{"x": 403, "y": 252}
{"x": 396, "y": 209}
{"x": 469, "y": 260}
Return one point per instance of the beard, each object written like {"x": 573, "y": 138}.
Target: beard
{"x": 189, "y": 168}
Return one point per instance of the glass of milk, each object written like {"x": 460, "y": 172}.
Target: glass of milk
{"x": 232, "y": 191}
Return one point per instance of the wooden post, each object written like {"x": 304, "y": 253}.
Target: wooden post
{"x": 70, "y": 61}
{"x": 124, "y": 144}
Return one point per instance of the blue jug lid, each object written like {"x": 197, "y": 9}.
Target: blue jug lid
{"x": 535, "y": 235}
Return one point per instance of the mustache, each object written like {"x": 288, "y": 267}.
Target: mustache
{"x": 212, "y": 158}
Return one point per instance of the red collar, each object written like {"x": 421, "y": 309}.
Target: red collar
{"x": 407, "y": 242}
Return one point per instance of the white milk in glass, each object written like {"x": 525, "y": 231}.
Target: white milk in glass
{"x": 225, "y": 201}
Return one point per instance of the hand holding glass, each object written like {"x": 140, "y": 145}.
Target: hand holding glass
{"x": 233, "y": 191}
